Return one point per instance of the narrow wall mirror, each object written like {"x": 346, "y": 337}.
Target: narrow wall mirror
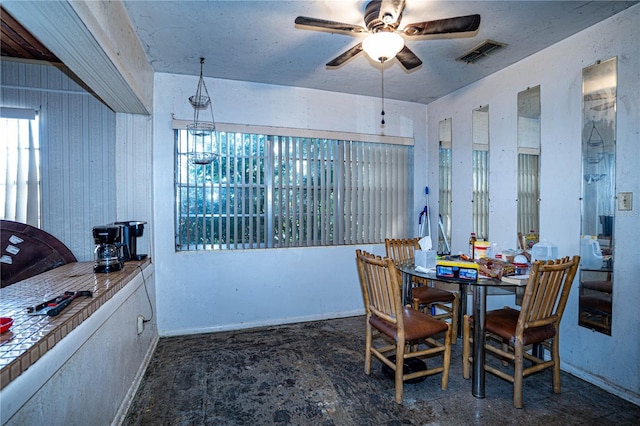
{"x": 599, "y": 91}
{"x": 444, "y": 193}
{"x": 528, "y": 162}
{"x": 480, "y": 134}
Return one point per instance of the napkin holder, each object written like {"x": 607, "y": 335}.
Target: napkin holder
{"x": 425, "y": 258}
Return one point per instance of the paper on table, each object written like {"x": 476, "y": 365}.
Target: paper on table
{"x": 424, "y": 270}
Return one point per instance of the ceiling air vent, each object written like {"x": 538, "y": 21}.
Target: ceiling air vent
{"x": 484, "y": 49}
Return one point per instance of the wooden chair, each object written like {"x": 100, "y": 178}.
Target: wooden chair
{"x": 424, "y": 296}
{"x": 400, "y": 328}
{"x": 509, "y": 332}
{"x": 594, "y": 304}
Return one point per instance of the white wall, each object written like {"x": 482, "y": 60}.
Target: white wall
{"x": 78, "y": 154}
{"x": 208, "y": 291}
{"x": 133, "y": 174}
{"x": 612, "y": 362}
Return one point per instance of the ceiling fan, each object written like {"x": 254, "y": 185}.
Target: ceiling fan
{"x": 382, "y": 19}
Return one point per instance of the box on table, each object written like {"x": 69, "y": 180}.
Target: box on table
{"x": 461, "y": 270}
{"x": 425, "y": 258}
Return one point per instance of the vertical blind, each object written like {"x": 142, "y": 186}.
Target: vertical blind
{"x": 528, "y": 192}
{"x": 269, "y": 191}
{"x": 20, "y": 166}
{"x": 481, "y": 193}
{"x": 445, "y": 199}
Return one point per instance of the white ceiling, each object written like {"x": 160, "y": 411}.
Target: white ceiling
{"x": 257, "y": 41}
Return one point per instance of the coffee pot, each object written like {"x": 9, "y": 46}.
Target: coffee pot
{"x": 107, "y": 252}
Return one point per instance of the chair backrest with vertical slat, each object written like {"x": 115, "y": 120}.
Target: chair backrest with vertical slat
{"x": 400, "y": 250}
{"x": 547, "y": 292}
{"x": 381, "y": 291}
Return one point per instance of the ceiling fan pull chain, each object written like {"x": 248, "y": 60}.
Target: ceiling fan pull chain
{"x": 382, "y": 90}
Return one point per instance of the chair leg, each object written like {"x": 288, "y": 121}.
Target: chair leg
{"x": 466, "y": 349}
{"x": 555, "y": 355}
{"x": 399, "y": 379}
{"x": 367, "y": 348}
{"x": 416, "y": 304}
{"x": 447, "y": 357}
{"x": 517, "y": 375}
{"x": 455, "y": 306}
{"x": 505, "y": 348}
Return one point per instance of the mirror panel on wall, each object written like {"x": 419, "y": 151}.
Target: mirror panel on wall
{"x": 480, "y": 134}
{"x": 528, "y": 162}
{"x": 444, "y": 193}
{"x": 599, "y": 91}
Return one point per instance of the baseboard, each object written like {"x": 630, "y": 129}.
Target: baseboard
{"x": 616, "y": 390}
{"x": 266, "y": 323}
{"x": 131, "y": 393}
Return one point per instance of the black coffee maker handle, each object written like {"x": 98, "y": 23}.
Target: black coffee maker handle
{"x": 126, "y": 255}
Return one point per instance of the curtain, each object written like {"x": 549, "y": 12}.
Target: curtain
{"x": 19, "y": 166}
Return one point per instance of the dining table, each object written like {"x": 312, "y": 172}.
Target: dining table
{"x": 479, "y": 310}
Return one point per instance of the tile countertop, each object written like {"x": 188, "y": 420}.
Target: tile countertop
{"x": 31, "y": 336}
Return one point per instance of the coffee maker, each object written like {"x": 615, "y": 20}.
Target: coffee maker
{"x": 107, "y": 252}
{"x": 131, "y": 231}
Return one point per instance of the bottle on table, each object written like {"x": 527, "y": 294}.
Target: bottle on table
{"x": 530, "y": 240}
{"x": 472, "y": 243}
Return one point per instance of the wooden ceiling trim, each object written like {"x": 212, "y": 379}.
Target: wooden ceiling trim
{"x": 17, "y": 42}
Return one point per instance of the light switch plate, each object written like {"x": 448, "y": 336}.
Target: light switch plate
{"x": 625, "y": 201}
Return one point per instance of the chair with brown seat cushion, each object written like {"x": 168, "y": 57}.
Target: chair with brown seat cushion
{"x": 402, "y": 331}
{"x": 509, "y": 332}
{"x": 424, "y": 296}
{"x": 595, "y": 310}
{"x": 595, "y": 304}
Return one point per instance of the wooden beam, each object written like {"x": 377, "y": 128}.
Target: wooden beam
{"x": 95, "y": 40}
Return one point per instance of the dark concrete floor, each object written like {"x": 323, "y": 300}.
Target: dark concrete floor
{"x": 312, "y": 374}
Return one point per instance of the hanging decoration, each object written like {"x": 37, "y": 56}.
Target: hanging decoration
{"x": 201, "y": 133}
{"x": 595, "y": 146}
{"x": 593, "y": 154}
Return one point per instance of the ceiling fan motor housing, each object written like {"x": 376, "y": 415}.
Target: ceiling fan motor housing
{"x": 373, "y": 21}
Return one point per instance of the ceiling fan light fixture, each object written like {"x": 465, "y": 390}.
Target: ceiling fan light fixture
{"x": 383, "y": 45}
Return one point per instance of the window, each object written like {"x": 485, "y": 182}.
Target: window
{"x": 20, "y": 166}
{"x": 268, "y": 191}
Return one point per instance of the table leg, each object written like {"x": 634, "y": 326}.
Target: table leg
{"x": 462, "y": 307}
{"x": 406, "y": 289}
{"x": 538, "y": 350}
{"x": 479, "y": 315}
